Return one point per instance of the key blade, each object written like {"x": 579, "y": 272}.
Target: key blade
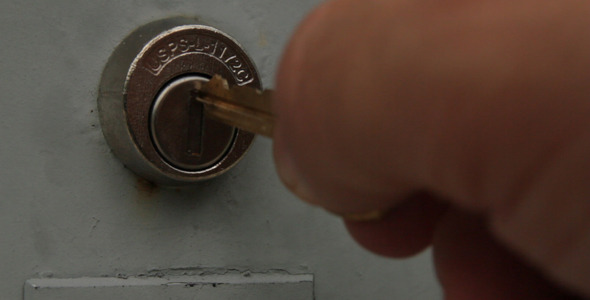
{"x": 246, "y": 108}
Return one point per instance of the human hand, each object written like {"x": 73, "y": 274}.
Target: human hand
{"x": 468, "y": 121}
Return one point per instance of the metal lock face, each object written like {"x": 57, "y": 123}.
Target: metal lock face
{"x": 147, "y": 111}
{"x": 185, "y": 137}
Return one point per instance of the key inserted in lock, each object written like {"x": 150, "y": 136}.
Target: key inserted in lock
{"x": 148, "y": 116}
{"x": 183, "y": 134}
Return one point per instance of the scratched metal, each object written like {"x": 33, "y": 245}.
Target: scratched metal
{"x": 247, "y": 286}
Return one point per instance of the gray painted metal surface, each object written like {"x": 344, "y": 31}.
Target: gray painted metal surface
{"x": 69, "y": 209}
{"x": 209, "y": 287}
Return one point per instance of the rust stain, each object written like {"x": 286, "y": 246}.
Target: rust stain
{"x": 146, "y": 199}
{"x": 146, "y": 189}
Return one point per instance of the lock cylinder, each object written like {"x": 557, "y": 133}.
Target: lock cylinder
{"x": 148, "y": 113}
{"x": 183, "y": 135}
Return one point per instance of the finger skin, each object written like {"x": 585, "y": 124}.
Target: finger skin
{"x": 483, "y": 103}
{"x": 404, "y": 231}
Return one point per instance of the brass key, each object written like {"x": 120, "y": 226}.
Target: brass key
{"x": 242, "y": 107}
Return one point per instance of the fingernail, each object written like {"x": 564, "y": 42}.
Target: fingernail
{"x": 289, "y": 172}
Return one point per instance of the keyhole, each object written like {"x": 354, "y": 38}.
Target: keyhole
{"x": 182, "y": 134}
{"x": 196, "y": 126}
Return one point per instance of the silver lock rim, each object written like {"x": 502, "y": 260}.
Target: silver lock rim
{"x": 124, "y": 110}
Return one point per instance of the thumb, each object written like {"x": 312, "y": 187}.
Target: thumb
{"x": 483, "y": 103}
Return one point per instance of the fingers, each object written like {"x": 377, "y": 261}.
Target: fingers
{"x": 325, "y": 137}
{"x": 485, "y": 103}
{"x": 472, "y": 265}
{"x": 404, "y": 231}
{"x": 386, "y": 97}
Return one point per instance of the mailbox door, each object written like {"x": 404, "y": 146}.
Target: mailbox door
{"x": 74, "y": 220}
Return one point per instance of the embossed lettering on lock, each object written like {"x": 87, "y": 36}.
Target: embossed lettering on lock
{"x": 194, "y": 44}
{"x": 145, "y": 104}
